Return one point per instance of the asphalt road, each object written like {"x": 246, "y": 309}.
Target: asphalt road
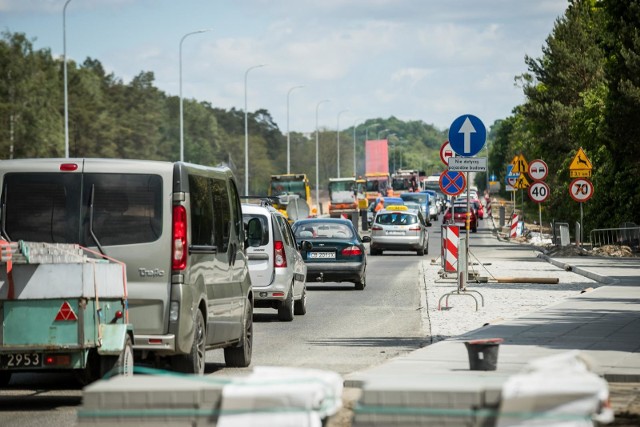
{"x": 344, "y": 330}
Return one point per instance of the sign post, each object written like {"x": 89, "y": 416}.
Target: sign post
{"x": 539, "y": 191}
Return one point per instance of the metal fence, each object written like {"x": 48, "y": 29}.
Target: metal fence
{"x": 623, "y": 236}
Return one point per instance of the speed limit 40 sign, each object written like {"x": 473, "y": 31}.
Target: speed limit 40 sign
{"x": 581, "y": 189}
{"x": 539, "y": 191}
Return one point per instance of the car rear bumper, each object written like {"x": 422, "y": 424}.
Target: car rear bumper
{"x": 393, "y": 243}
{"x": 339, "y": 272}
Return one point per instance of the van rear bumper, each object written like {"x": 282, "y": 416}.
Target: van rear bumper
{"x": 155, "y": 342}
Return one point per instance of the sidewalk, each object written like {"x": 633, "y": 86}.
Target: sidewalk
{"x": 434, "y": 384}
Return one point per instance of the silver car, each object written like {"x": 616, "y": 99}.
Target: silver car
{"x": 278, "y": 272}
{"x": 399, "y": 229}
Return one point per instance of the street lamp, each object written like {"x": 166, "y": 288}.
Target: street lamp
{"x": 246, "y": 132}
{"x": 338, "y": 138}
{"x": 317, "y": 166}
{"x": 366, "y": 132}
{"x": 66, "y": 93}
{"x": 181, "y": 106}
{"x": 354, "y": 145}
{"x": 383, "y": 130}
{"x": 288, "y": 138}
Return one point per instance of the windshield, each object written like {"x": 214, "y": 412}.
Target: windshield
{"x": 342, "y": 186}
{"x": 323, "y": 230}
{"x": 288, "y": 187}
{"x": 420, "y": 198}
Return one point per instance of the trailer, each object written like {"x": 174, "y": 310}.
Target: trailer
{"x": 63, "y": 309}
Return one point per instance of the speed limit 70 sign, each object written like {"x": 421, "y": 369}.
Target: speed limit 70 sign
{"x": 539, "y": 191}
{"x": 581, "y": 189}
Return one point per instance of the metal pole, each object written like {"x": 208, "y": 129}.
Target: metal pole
{"x": 317, "y": 164}
{"x": 468, "y": 227}
{"x": 540, "y": 219}
{"x": 354, "y": 147}
{"x": 581, "y": 222}
{"x": 366, "y": 132}
{"x": 288, "y": 137}
{"x": 338, "y": 139}
{"x": 246, "y": 132}
{"x": 180, "y": 84}
{"x": 66, "y": 91}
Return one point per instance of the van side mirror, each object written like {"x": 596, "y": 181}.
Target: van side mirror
{"x": 253, "y": 232}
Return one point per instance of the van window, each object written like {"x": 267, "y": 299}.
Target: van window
{"x": 222, "y": 214}
{"x": 42, "y": 207}
{"x": 127, "y": 208}
{"x": 235, "y": 197}
{"x": 51, "y": 207}
{"x": 201, "y": 211}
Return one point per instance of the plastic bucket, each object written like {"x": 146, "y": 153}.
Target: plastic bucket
{"x": 483, "y": 354}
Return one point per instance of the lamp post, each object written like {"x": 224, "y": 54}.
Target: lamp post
{"x": 66, "y": 92}
{"x": 354, "y": 146}
{"x": 383, "y": 130}
{"x": 338, "y": 138}
{"x": 366, "y": 132}
{"x": 181, "y": 106}
{"x": 246, "y": 132}
{"x": 317, "y": 166}
{"x": 288, "y": 138}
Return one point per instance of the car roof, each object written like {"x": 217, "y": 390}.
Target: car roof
{"x": 255, "y": 208}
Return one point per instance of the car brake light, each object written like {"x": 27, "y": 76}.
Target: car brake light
{"x": 68, "y": 167}
{"x": 179, "y": 246}
{"x": 278, "y": 254}
{"x": 414, "y": 228}
{"x": 352, "y": 251}
{"x": 376, "y": 228}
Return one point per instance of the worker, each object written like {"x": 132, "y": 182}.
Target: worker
{"x": 380, "y": 205}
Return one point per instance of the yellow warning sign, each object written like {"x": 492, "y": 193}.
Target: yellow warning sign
{"x": 580, "y": 173}
{"x": 522, "y": 182}
{"x": 580, "y": 162}
{"x": 520, "y": 165}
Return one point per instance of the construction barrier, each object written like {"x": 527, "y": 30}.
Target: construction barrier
{"x": 514, "y": 226}
{"x": 451, "y": 244}
{"x": 487, "y": 208}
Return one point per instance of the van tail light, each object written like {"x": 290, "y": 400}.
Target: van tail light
{"x": 352, "y": 251}
{"x": 278, "y": 254}
{"x": 179, "y": 246}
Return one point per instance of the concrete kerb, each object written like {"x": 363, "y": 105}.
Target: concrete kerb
{"x": 578, "y": 270}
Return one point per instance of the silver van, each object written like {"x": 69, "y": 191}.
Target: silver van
{"x": 177, "y": 226}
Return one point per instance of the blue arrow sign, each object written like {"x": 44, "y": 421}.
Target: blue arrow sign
{"x": 467, "y": 135}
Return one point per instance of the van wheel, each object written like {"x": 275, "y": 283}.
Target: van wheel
{"x": 240, "y": 356}
{"x": 300, "y": 306}
{"x": 285, "y": 311}
{"x": 193, "y": 363}
{"x": 5, "y": 378}
{"x": 118, "y": 365}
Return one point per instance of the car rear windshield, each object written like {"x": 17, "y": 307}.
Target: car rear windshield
{"x": 396, "y": 218}
{"x": 114, "y": 209}
{"x": 324, "y": 230}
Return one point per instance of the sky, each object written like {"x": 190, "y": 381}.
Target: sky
{"x": 428, "y": 60}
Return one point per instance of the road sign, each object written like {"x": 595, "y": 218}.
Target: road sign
{"x": 538, "y": 170}
{"x": 522, "y": 182}
{"x": 520, "y": 164}
{"x": 452, "y": 183}
{"x": 580, "y": 161}
{"x": 581, "y": 189}
{"x": 468, "y": 164}
{"x": 467, "y": 135}
{"x": 539, "y": 191}
{"x": 445, "y": 152}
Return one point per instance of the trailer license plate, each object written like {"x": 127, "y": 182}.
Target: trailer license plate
{"x": 322, "y": 254}
{"x": 21, "y": 360}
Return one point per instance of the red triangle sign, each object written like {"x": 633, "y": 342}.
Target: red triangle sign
{"x": 66, "y": 313}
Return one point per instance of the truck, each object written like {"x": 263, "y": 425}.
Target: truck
{"x": 401, "y": 180}
{"x": 63, "y": 310}
{"x": 343, "y": 198}
{"x": 292, "y": 189}
{"x": 377, "y": 169}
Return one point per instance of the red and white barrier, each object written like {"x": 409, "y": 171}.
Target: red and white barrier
{"x": 451, "y": 243}
{"x": 514, "y": 226}
{"x": 487, "y": 207}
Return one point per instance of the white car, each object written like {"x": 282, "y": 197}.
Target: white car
{"x": 278, "y": 272}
